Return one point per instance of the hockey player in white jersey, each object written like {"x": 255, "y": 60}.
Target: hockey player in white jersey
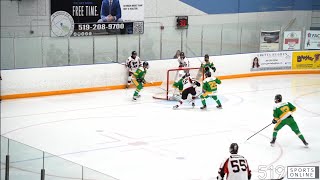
{"x": 235, "y": 167}
{"x": 188, "y": 86}
{"x": 183, "y": 61}
{"x": 133, "y": 63}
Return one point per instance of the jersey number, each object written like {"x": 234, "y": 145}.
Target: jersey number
{"x": 238, "y": 165}
{"x": 285, "y": 109}
{"x": 213, "y": 85}
{"x": 134, "y": 64}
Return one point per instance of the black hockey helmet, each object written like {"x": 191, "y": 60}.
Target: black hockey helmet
{"x": 278, "y": 98}
{"x": 133, "y": 53}
{"x": 182, "y": 54}
{"x": 208, "y": 74}
{"x": 145, "y": 64}
{"x": 233, "y": 149}
{"x": 206, "y": 57}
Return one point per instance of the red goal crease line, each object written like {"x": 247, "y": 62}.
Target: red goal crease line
{"x": 115, "y": 87}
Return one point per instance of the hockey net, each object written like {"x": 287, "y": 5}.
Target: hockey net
{"x": 167, "y": 91}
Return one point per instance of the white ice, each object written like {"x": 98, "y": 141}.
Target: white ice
{"x": 148, "y": 140}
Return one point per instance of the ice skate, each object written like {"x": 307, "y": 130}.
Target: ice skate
{"x": 305, "y": 143}
{"x": 203, "y": 107}
{"x": 219, "y": 106}
{"x": 273, "y": 141}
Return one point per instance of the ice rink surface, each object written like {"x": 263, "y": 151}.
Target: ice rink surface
{"x": 148, "y": 140}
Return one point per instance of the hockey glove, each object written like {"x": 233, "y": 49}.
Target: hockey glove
{"x": 274, "y": 121}
{"x": 197, "y": 83}
{"x": 214, "y": 69}
{"x": 139, "y": 80}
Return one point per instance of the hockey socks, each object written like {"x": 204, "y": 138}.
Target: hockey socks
{"x": 301, "y": 137}
{"x": 217, "y": 100}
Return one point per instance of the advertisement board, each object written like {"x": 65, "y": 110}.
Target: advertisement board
{"x": 291, "y": 40}
{"x": 269, "y": 40}
{"x": 312, "y": 40}
{"x": 306, "y": 60}
{"x": 96, "y": 17}
{"x": 271, "y": 61}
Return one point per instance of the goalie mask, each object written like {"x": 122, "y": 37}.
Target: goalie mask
{"x": 233, "y": 149}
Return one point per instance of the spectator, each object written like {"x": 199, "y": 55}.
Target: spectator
{"x": 177, "y": 54}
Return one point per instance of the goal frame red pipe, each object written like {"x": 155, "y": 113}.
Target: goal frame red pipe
{"x": 168, "y": 79}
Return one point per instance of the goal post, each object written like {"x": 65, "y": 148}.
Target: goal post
{"x": 167, "y": 91}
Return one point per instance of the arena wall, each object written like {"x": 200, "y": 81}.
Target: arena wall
{"x": 20, "y": 83}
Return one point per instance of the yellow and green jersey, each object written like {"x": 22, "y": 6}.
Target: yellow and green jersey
{"x": 140, "y": 73}
{"x": 207, "y": 65}
{"x": 283, "y": 110}
{"x": 210, "y": 84}
{"x": 179, "y": 84}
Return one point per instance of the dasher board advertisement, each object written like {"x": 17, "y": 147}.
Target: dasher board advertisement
{"x": 271, "y": 61}
{"x": 96, "y": 17}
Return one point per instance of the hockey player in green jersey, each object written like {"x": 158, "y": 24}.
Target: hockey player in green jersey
{"x": 282, "y": 115}
{"x": 139, "y": 80}
{"x": 207, "y": 65}
{"x": 209, "y": 88}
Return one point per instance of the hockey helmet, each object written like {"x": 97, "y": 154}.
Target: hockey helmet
{"x": 278, "y": 98}
{"x": 233, "y": 149}
{"x": 133, "y": 53}
{"x": 182, "y": 54}
{"x": 206, "y": 57}
{"x": 145, "y": 64}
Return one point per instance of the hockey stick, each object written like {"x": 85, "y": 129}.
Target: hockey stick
{"x": 259, "y": 131}
{"x": 113, "y": 61}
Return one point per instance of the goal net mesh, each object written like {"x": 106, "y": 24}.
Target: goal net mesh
{"x": 166, "y": 91}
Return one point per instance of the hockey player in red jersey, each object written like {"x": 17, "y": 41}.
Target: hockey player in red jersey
{"x": 235, "y": 166}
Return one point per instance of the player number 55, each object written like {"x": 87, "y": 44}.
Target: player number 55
{"x": 238, "y": 165}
